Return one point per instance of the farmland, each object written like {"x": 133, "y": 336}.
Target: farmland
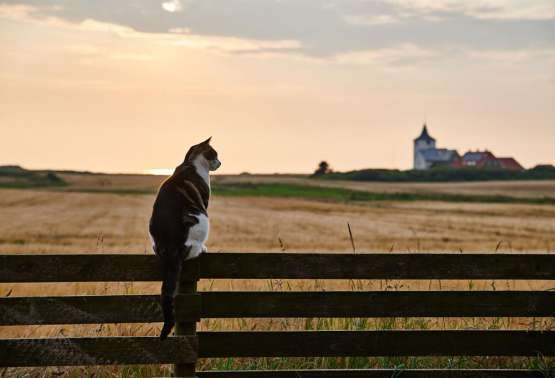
{"x": 97, "y": 213}
{"x": 109, "y": 213}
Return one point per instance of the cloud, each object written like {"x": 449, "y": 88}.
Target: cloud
{"x": 180, "y": 37}
{"x": 315, "y": 29}
{"x": 492, "y": 9}
{"x": 16, "y": 12}
{"x": 403, "y": 55}
{"x": 514, "y": 57}
{"x": 230, "y": 44}
{"x": 180, "y": 30}
{"x": 378, "y": 19}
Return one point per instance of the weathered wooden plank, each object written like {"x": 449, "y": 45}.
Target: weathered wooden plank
{"x": 378, "y": 266}
{"x": 185, "y": 289}
{"x": 84, "y": 267}
{"x": 103, "y": 267}
{"x": 376, "y": 373}
{"x": 93, "y": 309}
{"x": 97, "y": 351}
{"x": 376, "y": 343}
{"x": 378, "y": 304}
{"x": 146, "y": 308}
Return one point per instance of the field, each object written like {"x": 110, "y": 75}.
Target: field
{"x": 149, "y": 183}
{"x": 109, "y": 213}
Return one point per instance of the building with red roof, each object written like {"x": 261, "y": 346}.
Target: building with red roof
{"x": 427, "y": 155}
{"x": 480, "y": 159}
{"x": 510, "y": 163}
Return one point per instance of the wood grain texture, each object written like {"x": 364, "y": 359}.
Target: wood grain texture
{"x": 378, "y": 304}
{"x": 378, "y": 266}
{"x": 376, "y": 343}
{"x": 89, "y": 309}
{"x": 185, "y": 289}
{"x": 104, "y": 267}
{"x": 97, "y": 351}
{"x": 348, "y": 304}
{"x": 85, "y": 267}
{"x": 375, "y": 373}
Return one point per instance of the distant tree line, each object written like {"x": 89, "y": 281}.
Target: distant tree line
{"x": 16, "y": 176}
{"x": 439, "y": 174}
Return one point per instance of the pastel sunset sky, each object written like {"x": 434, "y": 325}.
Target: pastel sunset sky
{"x": 128, "y": 85}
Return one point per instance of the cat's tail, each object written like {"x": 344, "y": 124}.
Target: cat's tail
{"x": 171, "y": 270}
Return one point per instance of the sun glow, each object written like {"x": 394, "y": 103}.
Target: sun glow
{"x": 172, "y": 6}
{"x": 159, "y": 171}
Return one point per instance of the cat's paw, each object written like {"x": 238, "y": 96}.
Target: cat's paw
{"x": 204, "y": 249}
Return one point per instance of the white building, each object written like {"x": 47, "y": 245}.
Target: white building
{"x": 426, "y": 155}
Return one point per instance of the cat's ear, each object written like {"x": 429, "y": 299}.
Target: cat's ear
{"x": 207, "y": 141}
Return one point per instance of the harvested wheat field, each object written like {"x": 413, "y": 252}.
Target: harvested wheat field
{"x": 48, "y": 221}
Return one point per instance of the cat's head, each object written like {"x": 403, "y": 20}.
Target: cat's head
{"x": 204, "y": 154}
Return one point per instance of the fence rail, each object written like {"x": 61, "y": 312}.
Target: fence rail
{"x": 334, "y": 304}
{"x": 187, "y": 346}
{"x": 97, "y": 351}
{"x": 121, "y": 267}
{"x": 376, "y": 343}
{"x": 147, "y": 350}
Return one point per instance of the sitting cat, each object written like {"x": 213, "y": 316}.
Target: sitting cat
{"x": 179, "y": 224}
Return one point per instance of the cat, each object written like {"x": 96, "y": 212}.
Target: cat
{"x": 179, "y": 223}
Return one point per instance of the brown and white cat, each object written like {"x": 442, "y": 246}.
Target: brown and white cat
{"x": 179, "y": 223}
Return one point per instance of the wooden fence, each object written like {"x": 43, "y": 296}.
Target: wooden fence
{"x": 187, "y": 346}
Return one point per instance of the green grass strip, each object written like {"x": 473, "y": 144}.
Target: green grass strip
{"x": 346, "y": 195}
{"x": 309, "y": 192}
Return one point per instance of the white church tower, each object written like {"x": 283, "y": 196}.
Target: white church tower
{"x": 422, "y": 143}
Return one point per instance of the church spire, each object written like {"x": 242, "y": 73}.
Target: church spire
{"x": 424, "y": 134}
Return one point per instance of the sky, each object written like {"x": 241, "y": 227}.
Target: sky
{"x": 129, "y": 85}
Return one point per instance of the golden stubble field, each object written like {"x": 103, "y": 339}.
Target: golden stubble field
{"x": 59, "y": 221}
{"x": 44, "y": 221}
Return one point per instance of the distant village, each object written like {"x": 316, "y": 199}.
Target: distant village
{"x": 470, "y": 166}
{"x": 427, "y": 155}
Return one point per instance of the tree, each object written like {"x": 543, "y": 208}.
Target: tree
{"x": 323, "y": 168}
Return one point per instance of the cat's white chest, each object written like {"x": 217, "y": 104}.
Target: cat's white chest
{"x": 198, "y": 234}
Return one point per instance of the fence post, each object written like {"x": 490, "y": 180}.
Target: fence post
{"x": 187, "y": 285}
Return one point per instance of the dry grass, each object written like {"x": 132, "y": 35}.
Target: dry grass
{"x": 47, "y": 221}
{"x": 128, "y": 181}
